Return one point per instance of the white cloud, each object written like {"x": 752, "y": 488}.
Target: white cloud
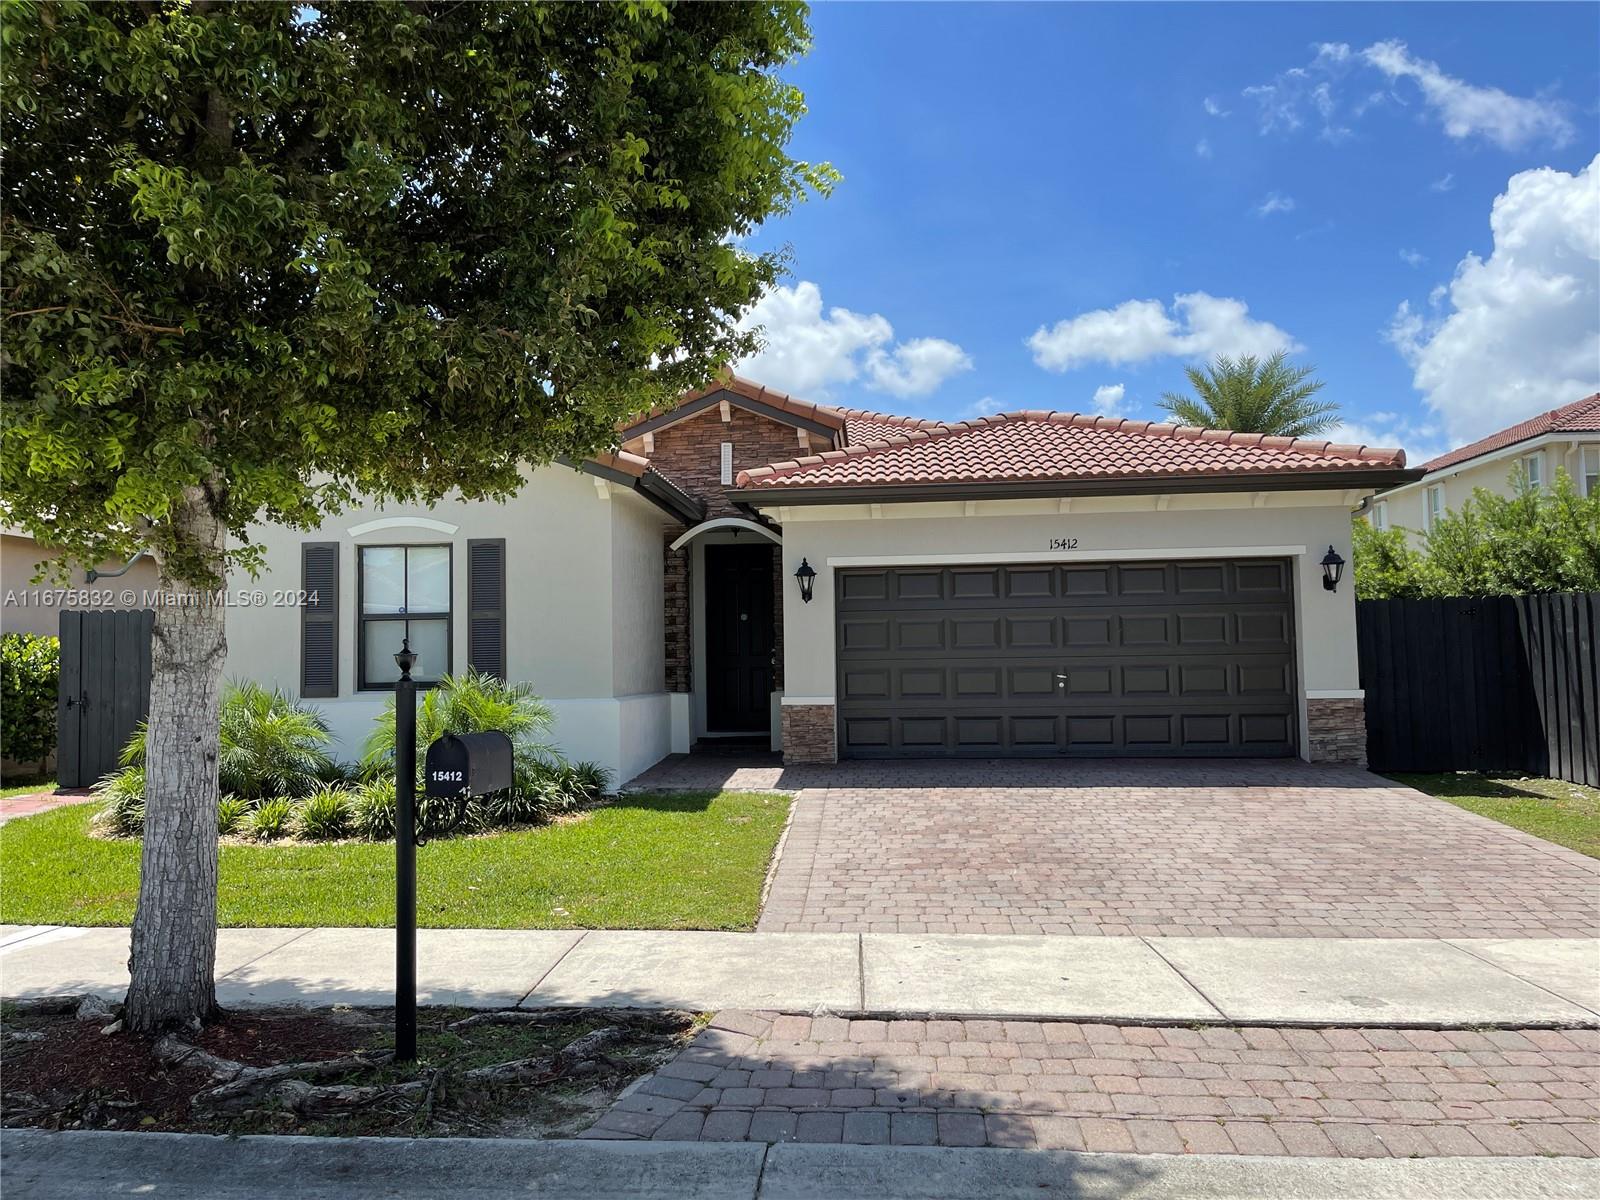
{"x": 1466, "y": 110}
{"x": 1197, "y": 326}
{"x": 808, "y": 351}
{"x": 986, "y": 407}
{"x": 1413, "y": 258}
{"x": 1517, "y": 332}
{"x": 1508, "y": 121}
{"x": 1444, "y": 183}
{"x": 1111, "y": 400}
{"x": 1214, "y": 107}
{"x": 1203, "y": 148}
{"x": 1276, "y": 202}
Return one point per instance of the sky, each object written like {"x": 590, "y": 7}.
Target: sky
{"x": 1060, "y": 206}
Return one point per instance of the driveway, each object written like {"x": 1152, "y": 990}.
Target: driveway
{"x": 1262, "y": 849}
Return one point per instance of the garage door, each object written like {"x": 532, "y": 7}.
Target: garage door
{"x": 1138, "y": 658}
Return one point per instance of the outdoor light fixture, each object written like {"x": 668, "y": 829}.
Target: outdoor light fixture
{"x": 807, "y": 575}
{"x": 405, "y": 658}
{"x": 1332, "y": 569}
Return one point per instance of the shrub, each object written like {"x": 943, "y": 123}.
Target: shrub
{"x": 233, "y": 812}
{"x": 30, "y": 668}
{"x": 269, "y": 745}
{"x": 373, "y": 809}
{"x": 471, "y": 703}
{"x": 272, "y": 819}
{"x": 531, "y": 801}
{"x": 325, "y": 815}
{"x": 336, "y": 771}
{"x": 122, "y": 809}
{"x": 591, "y": 780}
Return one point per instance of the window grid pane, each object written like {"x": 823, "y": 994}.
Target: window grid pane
{"x": 398, "y": 580}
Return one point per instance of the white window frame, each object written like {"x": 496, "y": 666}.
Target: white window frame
{"x": 1533, "y": 470}
{"x": 1589, "y": 453}
{"x": 1380, "y": 515}
{"x": 1433, "y": 504}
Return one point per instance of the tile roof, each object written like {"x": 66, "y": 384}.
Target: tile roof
{"x": 1581, "y": 416}
{"x": 1047, "y": 446}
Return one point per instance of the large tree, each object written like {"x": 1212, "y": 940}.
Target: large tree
{"x": 1253, "y": 395}
{"x": 260, "y": 258}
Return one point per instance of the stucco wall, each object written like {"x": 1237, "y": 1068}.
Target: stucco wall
{"x": 1406, "y": 507}
{"x": 35, "y": 608}
{"x": 570, "y": 557}
{"x": 1105, "y": 529}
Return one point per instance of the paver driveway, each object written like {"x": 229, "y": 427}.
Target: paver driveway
{"x": 1268, "y": 849}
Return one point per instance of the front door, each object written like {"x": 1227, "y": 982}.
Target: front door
{"x": 739, "y": 637}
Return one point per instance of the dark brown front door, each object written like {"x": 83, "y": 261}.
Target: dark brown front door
{"x": 1135, "y": 658}
{"x": 739, "y": 638}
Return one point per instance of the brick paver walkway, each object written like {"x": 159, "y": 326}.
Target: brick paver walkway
{"x": 13, "y": 807}
{"x": 1063, "y": 1085}
{"x": 1278, "y": 849}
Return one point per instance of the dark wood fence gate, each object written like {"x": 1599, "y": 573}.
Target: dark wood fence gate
{"x": 104, "y": 691}
{"x": 1498, "y": 683}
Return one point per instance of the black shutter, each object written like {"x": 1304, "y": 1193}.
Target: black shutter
{"x": 486, "y": 606}
{"x": 319, "y": 619}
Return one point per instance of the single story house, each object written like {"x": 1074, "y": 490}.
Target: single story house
{"x": 1566, "y": 438}
{"x": 840, "y": 583}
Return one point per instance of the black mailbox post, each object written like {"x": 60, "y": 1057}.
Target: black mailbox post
{"x": 468, "y": 764}
{"x": 457, "y": 768}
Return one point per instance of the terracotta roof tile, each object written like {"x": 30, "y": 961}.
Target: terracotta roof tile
{"x": 1044, "y": 446}
{"x": 1581, "y": 416}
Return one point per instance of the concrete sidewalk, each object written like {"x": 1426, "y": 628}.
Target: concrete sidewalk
{"x": 1292, "y": 981}
{"x": 65, "y": 1166}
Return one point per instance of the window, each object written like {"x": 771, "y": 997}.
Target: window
{"x": 1589, "y": 470}
{"x": 404, "y": 592}
{"x": 1533, "y": 469}
{"x": 1380, "y": 515}
{"x": 1435, "y": 505}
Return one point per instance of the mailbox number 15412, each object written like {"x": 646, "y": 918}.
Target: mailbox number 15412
{"x": 448, "y": 776}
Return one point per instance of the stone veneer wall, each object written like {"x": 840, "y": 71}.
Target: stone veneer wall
{"x": 1337, "y": 731}
{"x": 690, "y": 452}
{"x": 808, "y": 735}
{"x": 676, "y": 592}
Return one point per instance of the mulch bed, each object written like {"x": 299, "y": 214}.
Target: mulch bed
{"x": 58, "y": 1072}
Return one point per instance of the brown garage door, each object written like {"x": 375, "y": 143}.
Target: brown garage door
{"x": 1138, "y": 658}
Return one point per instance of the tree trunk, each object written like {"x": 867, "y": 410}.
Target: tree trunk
{"x": 175, "y": 924}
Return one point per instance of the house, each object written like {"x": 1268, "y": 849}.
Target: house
{"x": 28, "y": 607}
{"x": 836, "y": 582}
{"x": 1566, "y": 438}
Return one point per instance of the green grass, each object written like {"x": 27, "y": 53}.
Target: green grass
{"x": 684, "y": 861}
{"x": 42, "y": 784}
{"x": 1567, "y": 814}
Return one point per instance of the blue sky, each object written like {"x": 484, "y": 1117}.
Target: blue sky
{"x": 1045, "y": 202}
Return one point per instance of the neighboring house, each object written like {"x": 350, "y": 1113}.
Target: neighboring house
{"x": 1025, "y": 584}
{"x": 1566, "y": 438}
{"x": 28, "y": 607}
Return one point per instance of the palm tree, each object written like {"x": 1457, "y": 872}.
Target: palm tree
{"x": 1248, "y": 395}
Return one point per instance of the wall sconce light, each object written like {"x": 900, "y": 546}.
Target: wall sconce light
{"x": 807, "y": 575}
{"x": 1332, "y": 569}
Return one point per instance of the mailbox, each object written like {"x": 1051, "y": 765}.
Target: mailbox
{"x": 468, "y": 764}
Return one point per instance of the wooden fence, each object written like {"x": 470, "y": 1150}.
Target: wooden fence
{"x": 1498, "y": 683}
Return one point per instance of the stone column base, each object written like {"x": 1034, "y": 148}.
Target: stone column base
{"x": 1336, "y": 732}
{"x": 808, "y": 734}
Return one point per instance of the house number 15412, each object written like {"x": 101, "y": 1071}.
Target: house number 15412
{"x": 1067, "y": 543}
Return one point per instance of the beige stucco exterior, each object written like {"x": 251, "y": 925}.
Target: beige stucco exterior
{"x": 583, "y": 619}
{"x": 1299, "y": 526}
{"x": 1407, "y": 507}
{"x": 30, "y": 607}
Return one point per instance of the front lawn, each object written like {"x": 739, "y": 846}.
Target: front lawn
{"x": 694, "y": 860}
{"x": 1567, "y": 814}
{"x": 41, "y": 784}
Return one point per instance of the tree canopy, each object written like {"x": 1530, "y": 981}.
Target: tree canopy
{"x": 1252, "y": 395}
{"x": 1534, "y": 540}
{"x": 291, "y": 254}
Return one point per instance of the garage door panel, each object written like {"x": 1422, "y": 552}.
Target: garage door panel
{"x": 1191, "y": 657}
